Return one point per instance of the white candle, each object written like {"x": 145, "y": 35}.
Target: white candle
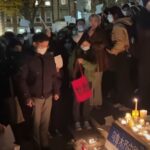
{"x": 136, "y": 103}
{"x": 135, "y": 129}
{"x": 142, "y": 122}
{"x": 147, "y": 136}
{"x": 139, "y": 126}
{"x": 142, "y": 133}
{"x": 123, "y": 121}
{"x": 128, "y": 117}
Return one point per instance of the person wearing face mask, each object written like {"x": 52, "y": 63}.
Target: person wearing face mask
{"x": 99, "y": 40}
{"x": 37, "y": 85}
{"x": 126, "y": 10}
{"x": 83, "y": 56}
{"x": 80, "y": 25}
{"x": 85, "y": 59}
{"x": 118, "y": 51}
{"x": 77, "y": 39}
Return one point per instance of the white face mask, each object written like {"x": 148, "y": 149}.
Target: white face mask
{"x": 80, "y": 28}
{"x": 85, "y": 48}
{"x": 148, "y": 6}
{"x": 41, "y": 51}
{"x": 124, "y": 12}
{"x": 26, "y": 38}
{"x": 74, "y": 32}
{"x": 110, "y": 18}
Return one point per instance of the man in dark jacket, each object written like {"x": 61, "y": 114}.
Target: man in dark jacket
{"x": 37, "y": 83}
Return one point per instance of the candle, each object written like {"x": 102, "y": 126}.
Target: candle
{"x": 136, "y": 103}
{"x": 128, "y": 117}
{"x": 142, "y": 122}
{"x": 143, "y": 132}
{"x": 139, "y": 126}
{"x": 131, "y": 123}
{"x": 147, "y": 124}
{"x": 134, "y": 129}
{"x": 147, "y": 136}
{"x": 143, "y": 114}
{"x": 123, "y": 121}
{"x": 135, "y": 114}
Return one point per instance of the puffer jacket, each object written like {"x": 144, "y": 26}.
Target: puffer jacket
{"x": 37, "y": 77}
{"x": 120, "y": 37}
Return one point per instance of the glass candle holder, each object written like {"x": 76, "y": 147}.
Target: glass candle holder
{"x": 128, "y": 117}
{"x": 131, "y": 123}
{"x": 143, "y": 114}
{"x": 135, "y": 114}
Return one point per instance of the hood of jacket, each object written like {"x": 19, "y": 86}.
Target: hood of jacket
{"x": 126, "y": 21}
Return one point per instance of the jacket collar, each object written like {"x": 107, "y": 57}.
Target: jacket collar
{"x": 125, "y": 20}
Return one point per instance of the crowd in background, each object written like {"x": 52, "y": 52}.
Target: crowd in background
{"x": 113, "y": 53}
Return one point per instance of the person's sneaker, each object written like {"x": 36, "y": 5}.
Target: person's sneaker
{"x": 87, "y": 125}
{"x": 78, "y": 126}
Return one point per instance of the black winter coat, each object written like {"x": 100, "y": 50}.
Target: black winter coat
{"x": 37, "y": 77}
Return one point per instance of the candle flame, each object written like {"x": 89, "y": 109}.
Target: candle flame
{"x": 135, "y": 100}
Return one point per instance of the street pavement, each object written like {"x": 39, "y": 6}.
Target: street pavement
{"x": 99, "y": 117}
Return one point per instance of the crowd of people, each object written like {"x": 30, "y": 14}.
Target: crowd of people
{"x": 113, "y": 52}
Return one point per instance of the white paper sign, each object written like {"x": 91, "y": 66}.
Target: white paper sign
{"x": 68, "y": 19}
{"x": 57, "y": 26}
{"x": 73, "y": 20}
{"x": 24, "y": 23}
{"x": 99, "y": 8}
{"x": 58, "y": 61}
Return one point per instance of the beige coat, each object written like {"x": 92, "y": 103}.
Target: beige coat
{"x": 120, "y": 36}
